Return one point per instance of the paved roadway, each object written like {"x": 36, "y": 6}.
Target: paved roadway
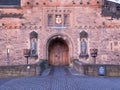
{"x": 60, "y": 78}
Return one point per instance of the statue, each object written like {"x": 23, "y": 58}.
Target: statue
{"x": 33, "y": 46}
{"x": 83, "y": 47}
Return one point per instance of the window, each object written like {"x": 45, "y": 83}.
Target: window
{"x": 83, "y": 44}
{"x": 10, "y": 3}
{"x": 50, "y": 20}
{"x": 66, "y": 19}
{"x": 33, "y": 43}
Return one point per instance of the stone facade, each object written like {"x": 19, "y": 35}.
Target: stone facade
{"x": 16, "y": 26}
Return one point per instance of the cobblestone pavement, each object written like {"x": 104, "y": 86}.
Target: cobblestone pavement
{"x": 60, "y": 78}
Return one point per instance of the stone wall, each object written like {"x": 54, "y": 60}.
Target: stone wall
{"x": 19, "y": 70}
{"x": 94, "y": 70}
{"x": 103, "y": 34}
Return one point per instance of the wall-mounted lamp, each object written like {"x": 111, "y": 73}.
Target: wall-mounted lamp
{"x": 26, "y": 53}
{"x": 93, "y": 53}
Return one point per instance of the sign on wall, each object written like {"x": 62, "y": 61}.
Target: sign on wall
{"x": 101, "y": 70}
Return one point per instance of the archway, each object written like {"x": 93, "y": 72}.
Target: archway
{"x": 58, "y": 52}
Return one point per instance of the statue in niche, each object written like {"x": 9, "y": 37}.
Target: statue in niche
{"x": 83, "y": 43}
{"x": 33, "y": 46}
{"x": 83, "y": 53}
{"x": 83, "y": 47}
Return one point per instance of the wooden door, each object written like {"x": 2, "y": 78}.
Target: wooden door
{"x": 58, "y": 54}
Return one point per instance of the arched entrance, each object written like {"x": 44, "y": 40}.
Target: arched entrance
{"x": 58, "y": 52}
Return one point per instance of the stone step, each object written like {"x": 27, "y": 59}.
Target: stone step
{"x": 60, "y": 71}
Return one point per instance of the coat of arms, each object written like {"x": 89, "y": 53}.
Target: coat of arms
{"x": 58, "y": 19}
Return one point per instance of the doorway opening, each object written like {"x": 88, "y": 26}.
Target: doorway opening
{"x": 58, "y": 52}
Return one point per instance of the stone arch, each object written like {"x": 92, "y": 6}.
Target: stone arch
{"x": 67, "y": 39}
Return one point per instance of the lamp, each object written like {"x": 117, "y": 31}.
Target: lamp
{"x": 93, "y": 53}
{"x": 26, "y": 53}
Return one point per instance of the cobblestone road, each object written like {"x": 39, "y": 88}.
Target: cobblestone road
{"x": 60, "y": 78}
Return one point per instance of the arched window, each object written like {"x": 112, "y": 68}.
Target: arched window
{"x": 83, "y": 44}
{"x": 33, "y": 43}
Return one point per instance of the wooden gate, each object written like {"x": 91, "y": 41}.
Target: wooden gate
{"x": 58, "y": 53}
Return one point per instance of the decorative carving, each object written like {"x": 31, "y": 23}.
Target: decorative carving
{"x": 58, "y": 18}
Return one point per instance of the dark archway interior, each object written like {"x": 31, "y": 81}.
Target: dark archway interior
{"x": 57, "y": 41}
{"x": 58, "y": 52}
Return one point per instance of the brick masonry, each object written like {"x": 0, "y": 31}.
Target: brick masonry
{"x": 14, "y": 32}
